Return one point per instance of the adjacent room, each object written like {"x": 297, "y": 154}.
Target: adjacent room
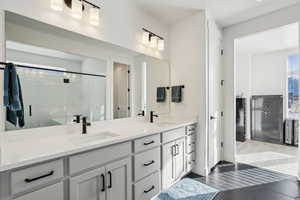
{"x": 267, "y": 102}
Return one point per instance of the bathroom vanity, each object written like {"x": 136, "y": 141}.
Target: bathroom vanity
{"x": 119, "y": 159}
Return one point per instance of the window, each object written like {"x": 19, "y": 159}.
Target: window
{"x": 293, "y": 83}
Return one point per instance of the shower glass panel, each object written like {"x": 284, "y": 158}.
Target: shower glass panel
{"x": 53, "y": 98}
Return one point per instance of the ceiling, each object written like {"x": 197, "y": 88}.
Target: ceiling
{"x": 285, "y": 37}
{"x": 226, "y": 12}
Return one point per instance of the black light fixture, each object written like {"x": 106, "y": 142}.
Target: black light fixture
{"x": 78, "y": 6}
{"x": 153, "y": 40}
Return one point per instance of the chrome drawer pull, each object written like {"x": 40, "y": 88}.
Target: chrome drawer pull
{"x": 148, "y": 143}
{"x": 150, "y": 163}
{"x": 30, "y": 180}
{"x": 147, "y": 191}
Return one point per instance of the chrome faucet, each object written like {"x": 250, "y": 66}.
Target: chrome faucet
{"x": 85, "y": 124}
{"x": 152, "y": 115}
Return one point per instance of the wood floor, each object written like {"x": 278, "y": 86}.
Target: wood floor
{"x": 281, "y": 190}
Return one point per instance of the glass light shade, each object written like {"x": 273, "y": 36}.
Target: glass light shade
{"x": 77, "y": 9}
{"x": 57, "y": 5}
{"x": 94, "y": 16}
{"x": 161, "y": 45}
{"x": 145, "y": 39}
{"x": 153, "y": 41}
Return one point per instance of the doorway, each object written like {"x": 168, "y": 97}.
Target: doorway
{"x": 267, "y": 99}
{"x": 214, "y": 96}
{"x": 121, "y": 91}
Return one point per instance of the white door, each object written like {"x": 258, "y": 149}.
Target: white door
{"x": 179, "y": 158}
{"x": 121, "y": 91}
{"x": 118, "y": 182}
{"x": 214, "y": 95}
{"x": 88, "y": 186}
{"x": 168, "y": 166}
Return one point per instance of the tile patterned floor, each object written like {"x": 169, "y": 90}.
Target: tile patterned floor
{"x": 280, "y": 158}
{"x": 281, "y": 190}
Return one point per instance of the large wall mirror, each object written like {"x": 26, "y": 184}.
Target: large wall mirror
{"x": 64, "y": 75}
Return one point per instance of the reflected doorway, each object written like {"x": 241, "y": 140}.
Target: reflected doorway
{"x": 121, "y": 91}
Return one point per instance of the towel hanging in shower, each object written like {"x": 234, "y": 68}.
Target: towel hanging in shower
{"x": 13, "y": 99}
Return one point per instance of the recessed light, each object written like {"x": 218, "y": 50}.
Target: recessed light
{"x": 259, "y": 1}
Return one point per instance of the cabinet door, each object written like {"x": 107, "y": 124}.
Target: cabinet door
{"x": 88, "y": 186}
{"x": 118, "y": 184}
{"x": 168, "y": 166}
{"x": 179, "y": 158}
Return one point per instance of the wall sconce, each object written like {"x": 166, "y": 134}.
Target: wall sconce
{"x": 77, "y": 8}
{"x": 153, "y": 40}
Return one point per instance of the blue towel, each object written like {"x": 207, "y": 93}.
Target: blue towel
{"x": 160, "y": 94}
{"x": 12, "y": 98}
{"x": 188, "y": 189}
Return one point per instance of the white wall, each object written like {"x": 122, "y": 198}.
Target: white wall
{"x": 273, "y": 20}
{"x": 188, "y": 68}
{"x": 121, "y": 22}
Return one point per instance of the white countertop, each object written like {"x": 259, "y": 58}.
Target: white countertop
{"x": 30, "y": 146}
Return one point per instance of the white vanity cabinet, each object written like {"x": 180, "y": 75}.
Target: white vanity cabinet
{"x": 135, "y": 169}
{"x": 111, "y": 182}
{"x": 173, "y": 157}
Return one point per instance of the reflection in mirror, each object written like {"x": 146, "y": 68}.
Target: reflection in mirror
{"x": 153, "y": 83}
{"x": 121, "y": 91}
{"x": 58, "y": 85}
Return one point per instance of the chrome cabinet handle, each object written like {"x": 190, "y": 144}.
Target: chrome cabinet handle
{"x": 147, "y": 191}
{"x": 150, "y": 163}
{"x": 30, "y": 180}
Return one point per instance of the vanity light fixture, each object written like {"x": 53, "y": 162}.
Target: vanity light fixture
{"x": 77, "y": 8}
{"x": 146, "y": 36}
{"x": 153, "y": 40}
{"x": 57, "y": 5}
{"x": 94, "y": 16}
{"x": 161, "y": 45}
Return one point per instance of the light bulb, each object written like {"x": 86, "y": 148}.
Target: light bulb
{"x": 57, "y": 5}
{"x": 77, "y": 9}
{"x": 94, "y": 16}
{"x": 153, "y": 41}
{"x": 145, "y": 39}
{"x": 161, "y": 45}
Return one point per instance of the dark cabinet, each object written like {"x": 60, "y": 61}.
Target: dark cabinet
{"x": 241, "y": 119}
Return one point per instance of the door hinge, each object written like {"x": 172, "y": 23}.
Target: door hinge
{"x": 222, "y": 82}
{"x": 222, "y": 114}
{"x": 128, "y": 71}
{"x": 222, "y": 52}
{"x": 128, "y": 107}
{"x": 128, "y": 89}
{"x": 222, "y": 144}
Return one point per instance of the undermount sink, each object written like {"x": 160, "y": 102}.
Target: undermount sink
{"x": 93, "y": 137}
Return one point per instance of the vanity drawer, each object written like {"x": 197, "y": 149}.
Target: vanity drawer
{"x": 146, "y": 163}
{"x": 54, "y": 192}
{"x": 190, "y": 161}
{"x": 191, "y": 129}
{"x": 146, "y": 143}
{"x": 173, "y": 135}
{"x": 98, "y": 157}
{"x": 147, "y": 188}
{"x": 28, "y": 178}
{"x": 191, "y": 143}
